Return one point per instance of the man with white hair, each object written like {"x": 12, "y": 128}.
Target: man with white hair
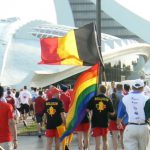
{"x": 136, "y": 105}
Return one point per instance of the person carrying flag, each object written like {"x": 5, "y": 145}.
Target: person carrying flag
{"x": 100, "y": 106}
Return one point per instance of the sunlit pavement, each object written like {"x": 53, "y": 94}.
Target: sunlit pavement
{"x": 34, "y": 143}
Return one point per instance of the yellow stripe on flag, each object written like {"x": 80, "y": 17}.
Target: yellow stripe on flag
{"x": 67, "y": 49}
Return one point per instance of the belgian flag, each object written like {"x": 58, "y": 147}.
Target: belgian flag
{"x": 77, "y": 47}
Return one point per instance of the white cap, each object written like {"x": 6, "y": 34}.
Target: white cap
{"x": 138, "y": 83}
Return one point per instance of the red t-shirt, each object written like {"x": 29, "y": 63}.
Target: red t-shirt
{"x": 10, "y": 100}
{"x": 51, "y": 92}
{"x": 66, "y": 101}
{"x": 6, "y": 113}
{"x": 39, "y": 105}
{"x": 70, "y": 92}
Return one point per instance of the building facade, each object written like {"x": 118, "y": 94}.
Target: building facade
{"x": 84, "y": 12}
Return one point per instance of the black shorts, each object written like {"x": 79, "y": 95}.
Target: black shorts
{"x": 39, "y": 118}
{"x": 24, "y": 108}
{"x": 19, "y": 109}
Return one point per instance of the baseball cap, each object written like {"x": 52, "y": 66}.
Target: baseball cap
{"x": 138, "y": 83}
{"x": 63, "y": 87}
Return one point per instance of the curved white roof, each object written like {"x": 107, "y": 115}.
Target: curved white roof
{"x": 21, "y": 53}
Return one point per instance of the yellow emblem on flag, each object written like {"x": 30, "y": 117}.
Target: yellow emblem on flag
{"x": 100, "y": 106}
{"x": 51, "y": 111}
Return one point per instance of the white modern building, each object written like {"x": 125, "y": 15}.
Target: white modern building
{"x": 27, "y": 21}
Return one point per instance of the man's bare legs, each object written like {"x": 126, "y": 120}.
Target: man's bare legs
{"x": 97, "y": 143}
{"x": 83, "y": 140}
{"x": 57, "y": 145}
{"x": 115, "y": 139}
{"x": 86, "y": 140}
{"x": 49, "y": 143}
{"x": 80, "y": 140}
{"x": 105, "y": 143}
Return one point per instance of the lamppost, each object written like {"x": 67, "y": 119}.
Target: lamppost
{"x": 98, "y": 24}
{"x": 98, "y": 18}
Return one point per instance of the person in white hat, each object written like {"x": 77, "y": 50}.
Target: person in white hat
{"x": 136, "y": 105}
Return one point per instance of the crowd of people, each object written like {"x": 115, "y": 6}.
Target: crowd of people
{"x": 122, "y": 111}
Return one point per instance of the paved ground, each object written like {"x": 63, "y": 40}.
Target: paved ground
{"x": 34, "y": 143}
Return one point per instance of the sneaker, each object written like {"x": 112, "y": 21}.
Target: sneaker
{"x": 39, "y": 135}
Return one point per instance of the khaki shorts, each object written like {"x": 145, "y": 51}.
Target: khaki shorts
{"x": 6, "y": 146}
{"x": 136, "y": 137}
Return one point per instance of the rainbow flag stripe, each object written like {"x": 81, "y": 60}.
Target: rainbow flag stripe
{"x": 85, "y": 88}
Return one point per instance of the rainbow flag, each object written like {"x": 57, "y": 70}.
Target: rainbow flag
{"x": 84, "y": 89}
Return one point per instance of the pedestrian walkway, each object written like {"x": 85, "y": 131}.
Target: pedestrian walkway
{"x": 35, "y": 143}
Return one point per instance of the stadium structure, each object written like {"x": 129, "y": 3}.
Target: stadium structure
{"x": 20, "y": 31}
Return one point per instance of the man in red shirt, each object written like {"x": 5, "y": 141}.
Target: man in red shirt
{"x": 39, "y": 107}
{"x": 51, "y": 91}
{"x": 8, "y": 132}
{"x": 65, "y": 98}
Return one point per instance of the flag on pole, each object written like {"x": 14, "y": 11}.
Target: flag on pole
{"x": 77, "y": 47}
{"x": 84, "y": 89}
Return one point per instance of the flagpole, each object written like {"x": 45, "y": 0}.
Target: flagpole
{"x": 98, "y": 24}
{"x": 98, "y": 17}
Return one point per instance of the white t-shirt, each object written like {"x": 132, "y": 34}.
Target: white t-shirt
{"x": 110, "y": 91}
{"x": 17, "y": 102}
{"x": 24, "y": 96}
{"x": 135, "y": 103}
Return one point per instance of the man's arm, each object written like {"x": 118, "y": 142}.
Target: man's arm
{"x": 147, "y": 110}
{"x": 34, "y": 107}
{"x": 112, "y": 113}
{"x": 121, "y": 113}
{"x": 111, "y": 108}
{"x": 13, "y": 130}
{"x": 63, "y": 117}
